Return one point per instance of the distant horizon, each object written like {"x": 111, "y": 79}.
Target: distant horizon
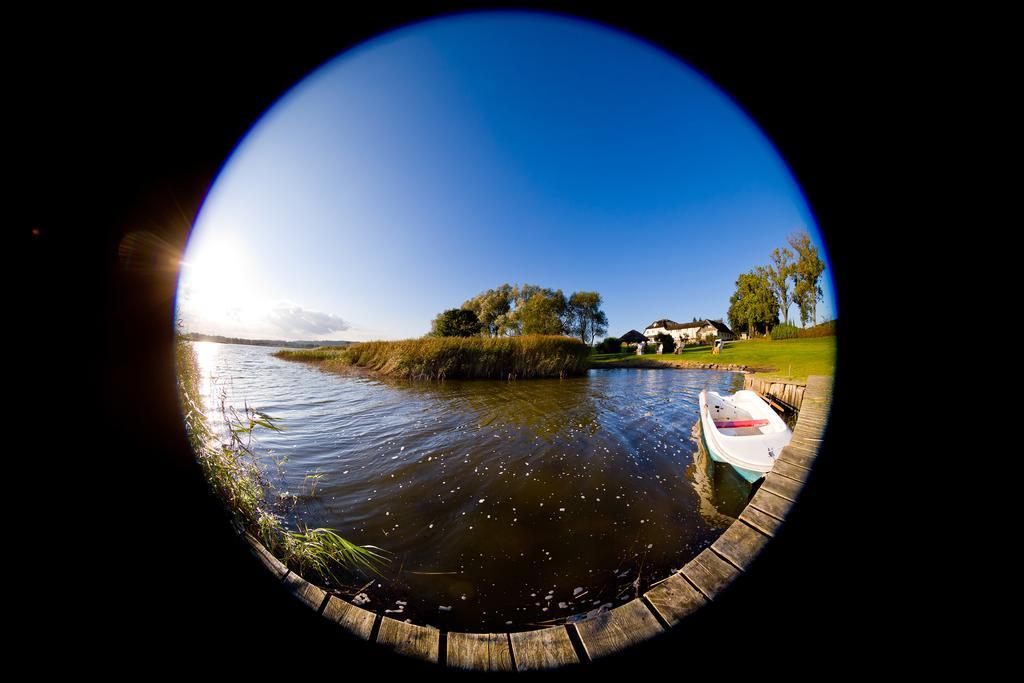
{"x": 450, "y": 156}
{"x": 328, "y": 342}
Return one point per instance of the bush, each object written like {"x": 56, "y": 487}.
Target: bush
{"x": 456, "y": 322}
{"x": 610, "y": 345}
{"x": 785, "y": 331}
{"x": 667, "y": 342}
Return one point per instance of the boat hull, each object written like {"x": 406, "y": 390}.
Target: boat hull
{"x": 730, "y": 436}
{"x": 749, "y": 475}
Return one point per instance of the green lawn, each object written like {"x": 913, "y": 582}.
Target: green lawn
{"x": 791, "y": 359}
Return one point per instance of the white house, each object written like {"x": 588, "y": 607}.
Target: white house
{"x": 689, "y": 332}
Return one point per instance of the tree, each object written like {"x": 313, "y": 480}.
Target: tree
{"x": 779, "y": 274}
{"x": 539, "y": 310}
{"x": 806, "y": 276}
{"x": 493, "y": 308}
{"x": 754, "y": 305}
{"x": 456, "y": 322}
{"x": 584, "y": 318}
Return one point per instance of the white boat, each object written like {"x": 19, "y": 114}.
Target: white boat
{"x": 743, "y": 431}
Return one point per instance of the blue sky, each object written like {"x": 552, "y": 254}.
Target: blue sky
{"x": 451, "y": 156}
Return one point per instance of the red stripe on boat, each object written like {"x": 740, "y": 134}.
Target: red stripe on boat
{"x": 740, "y": 423}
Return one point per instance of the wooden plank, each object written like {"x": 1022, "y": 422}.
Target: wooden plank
{"x": 546, "y": 648}
{"x": 805, "y": 448}
{"x": 422, "y": 642}
{"x": 709, "y": 573}
{"x": 803, "y": 457}
{"x": 304, "y": 590}
{"x": 820, "y": 384}
{"x": 674, "y": 598}
{"x": 760, "y": 520}
{"x": 355, "y": 620}
{"x": 768, "y": 502}
{"x": 781, "y": 486}
{"x": 811, "y": 424}
{"x": 807, "y": 441}
{"x": 617, "y": 629}
{"x": 276, "y": 567}
{"x": 479, "y": 651}
{"x": 787, "y": 469}
{"x": 740, "y": 544}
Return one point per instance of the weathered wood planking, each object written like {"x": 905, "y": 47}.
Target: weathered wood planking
{"x": 709, "y": 573}
{"x": 674, "y": 598}
{"x": 799, "y": 455}
{"x": 617, "y": 629}
{"x": 275, "y": 565}
{"x": 818, "y": 395}
{"x": 479, "y": 651}
{"x": 305, "y": 591}
{"x": 787, "y": 469}
{"x": 768, "y": 502}
{"x": 422, "y": 642}
{"x": 760, "y": 520}
{"x": 781, "y": 486}
{"x": 740, "y": 544}
{"x": 789, "y": 392}
{"x": 546, "y": 648}
{"x": 355, "y": 620}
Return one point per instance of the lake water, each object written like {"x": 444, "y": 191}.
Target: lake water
{"x": 503, "y": 505}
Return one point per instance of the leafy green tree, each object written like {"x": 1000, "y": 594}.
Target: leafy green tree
{"x": 806, "y": 276}
{"x": 668, "y": 343}
{"x": 456, "y": 322}
{"x": 584, "y": 316}
{"x": 754, "y": 306}
{"x": 493, "y": 308}
{"x": 539, "y": 310}
{"x": 779, "y": 274}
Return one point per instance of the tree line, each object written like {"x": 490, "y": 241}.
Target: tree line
{"x": 510, "y": 310}
{"x": 765, "y": 294}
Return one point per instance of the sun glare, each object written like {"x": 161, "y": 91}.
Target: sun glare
{"x": 213, "y": 281}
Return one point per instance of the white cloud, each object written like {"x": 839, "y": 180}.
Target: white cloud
{"x": 296, "y": 321}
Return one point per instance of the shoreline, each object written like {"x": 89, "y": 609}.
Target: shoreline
{"x": 348, "y": 370}
{"x": 677, "y": 364}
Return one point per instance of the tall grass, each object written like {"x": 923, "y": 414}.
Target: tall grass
{"x": 438, "y": 358}
{"x": 232, "y": 470}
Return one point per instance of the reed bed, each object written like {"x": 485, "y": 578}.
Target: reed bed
{"x": 232, "y": 471}
{"x": 439, "y": 358}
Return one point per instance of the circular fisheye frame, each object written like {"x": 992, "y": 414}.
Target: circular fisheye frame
{"x": 396, "y": 354}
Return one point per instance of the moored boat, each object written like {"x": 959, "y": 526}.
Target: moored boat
{"x": 743, "y": 431}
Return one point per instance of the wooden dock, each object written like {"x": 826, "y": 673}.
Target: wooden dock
{"x": 661, "y": 607}
{"x": 780, "y": 393}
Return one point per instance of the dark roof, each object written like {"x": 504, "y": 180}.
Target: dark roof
{"x": 721, "y": 327}
{"x": 673, "y": 325}
{"x": 632, "y": 337}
